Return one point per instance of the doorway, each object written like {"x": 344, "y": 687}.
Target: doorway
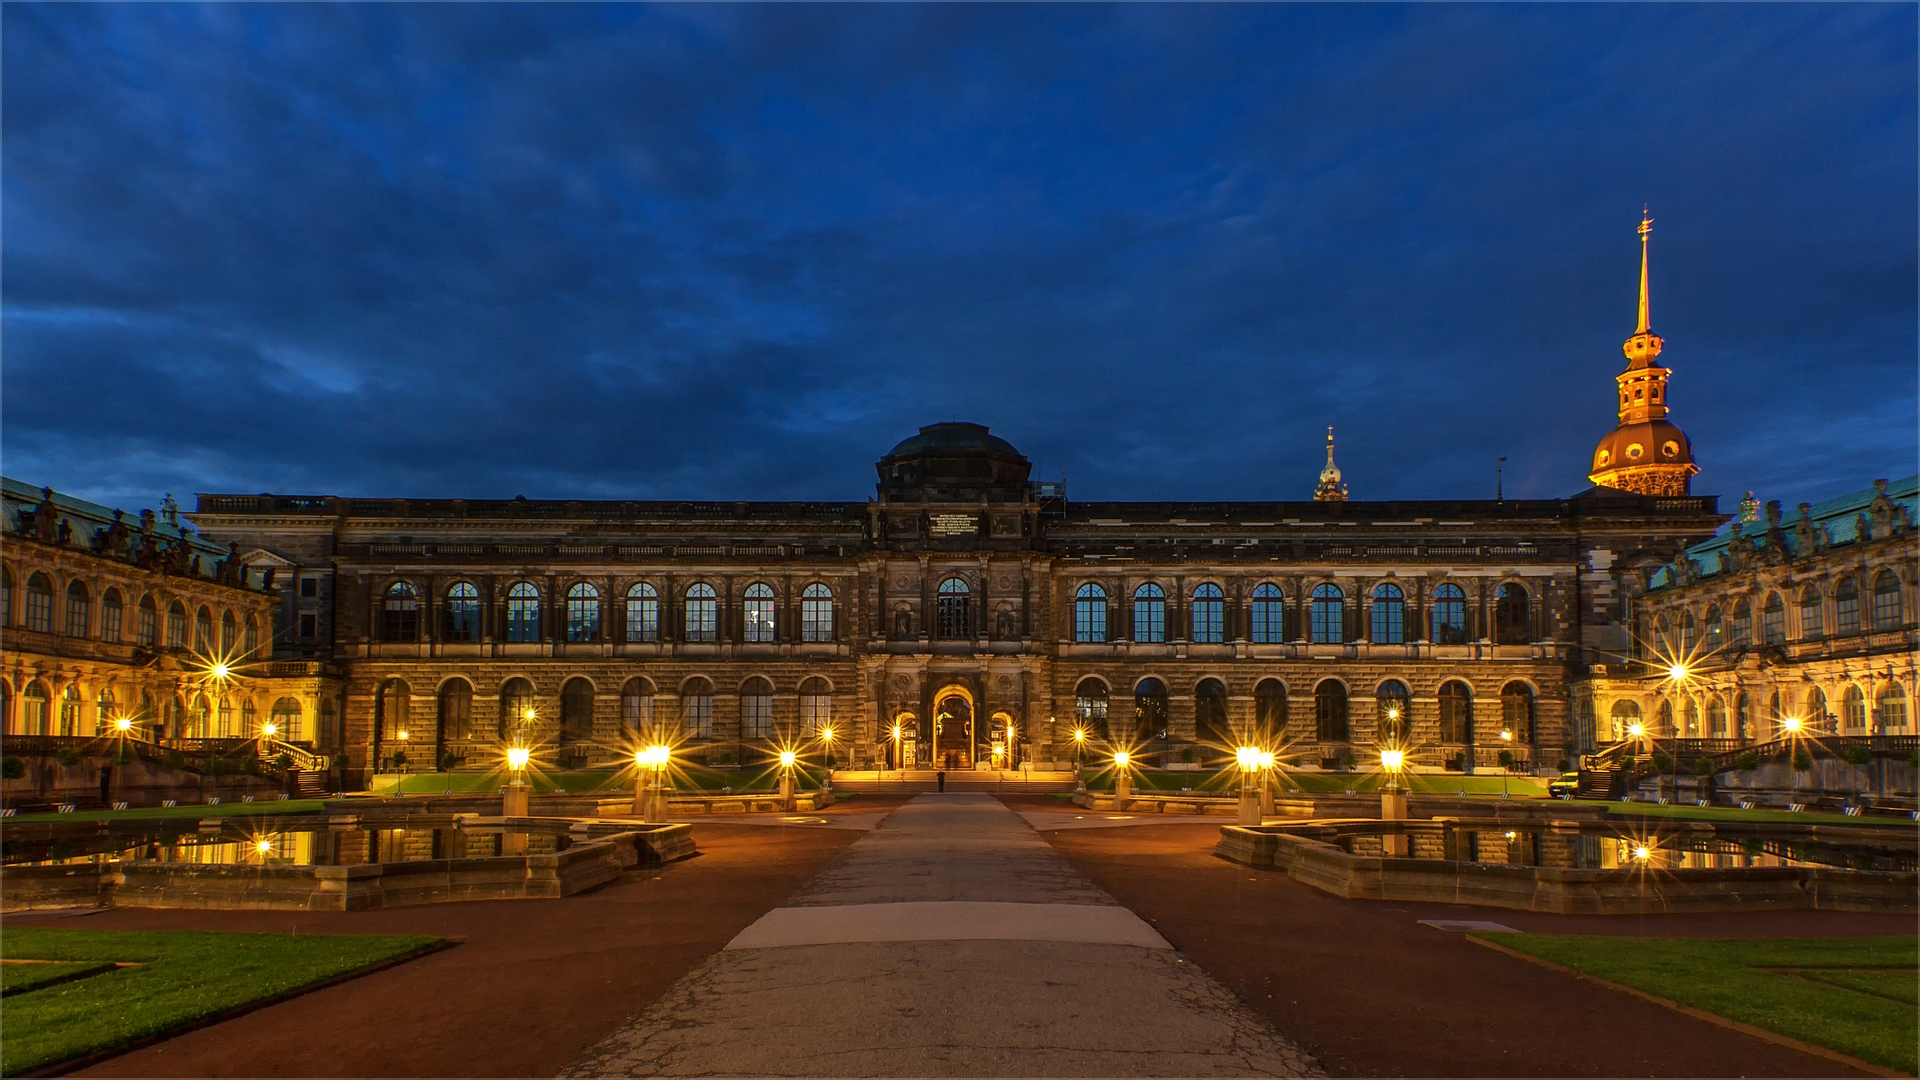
{"x": 953, "y": 730}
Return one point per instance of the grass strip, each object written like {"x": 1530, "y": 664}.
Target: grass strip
{"x": 1734, "y": 813}
{"x": 18, "y": 978}
{"x": 191, "y": 812}
{"x": 1784, "y": 985}
{"x": 185, "y": 977}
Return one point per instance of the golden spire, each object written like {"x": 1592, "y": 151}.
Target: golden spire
{"x": 1646, "y": 227}
{"x": 1330, "y": 488}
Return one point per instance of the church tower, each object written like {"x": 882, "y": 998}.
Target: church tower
{"x": 1645, "y": 453}
{"x": 1331, "y": 488}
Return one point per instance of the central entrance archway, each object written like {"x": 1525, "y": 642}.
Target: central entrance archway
{"x": 953, "y": 728}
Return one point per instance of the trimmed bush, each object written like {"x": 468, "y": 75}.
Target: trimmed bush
{"x": 1802, "y": 760}
{"x": 67, "y": 756}
{"x": 1857, "y": 755}
{"x": 1506, "y": 759}
{"x": 1663, "y": 761}
{"x": 172, "y": 759}
{"x": 1703, "y": 767}
{"x": 1747, "y": 761}
{"x": 13, "y": 768}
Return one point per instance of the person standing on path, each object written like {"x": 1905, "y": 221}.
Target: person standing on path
{"x": 940, "y": 779}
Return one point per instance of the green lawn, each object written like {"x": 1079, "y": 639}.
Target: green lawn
{"x": 192, "y": 812}
{"x": 1734, "y": 813}
{"x": 1854, "y": 995}
{"x": 19, "y": 978}
{"x": 184, "y": 976}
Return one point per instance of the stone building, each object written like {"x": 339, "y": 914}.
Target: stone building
{"x": 1810, "y": 616}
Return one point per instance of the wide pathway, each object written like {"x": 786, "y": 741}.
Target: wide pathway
{"x": 950, "y": 941}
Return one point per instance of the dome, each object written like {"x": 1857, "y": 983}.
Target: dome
{"x": 1650, "y": 442}
{"x": 952, "y": 436}
{"x": 955, "y": 462}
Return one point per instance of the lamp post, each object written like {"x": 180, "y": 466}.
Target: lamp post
{"x": 1248, "y": 758}
{"x": 1122, "y": 781}
{"x": 1393, "y": 800}
{"x": 1506, "y": 767}
{"x": 826, "y": 778}
{"x": 787, "y": 799}
{"x": 649, "y": 795}
{"x": 1266, "y": 784}
{"x": 514, "y": 799}
{"x": 1079, "y": 761}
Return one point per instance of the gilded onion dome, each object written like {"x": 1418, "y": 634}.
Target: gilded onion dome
{"x": 1645, "y": 453}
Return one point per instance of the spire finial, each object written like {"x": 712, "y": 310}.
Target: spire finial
{"x": 1330, "y": 488}
{"x": 1646, "y": 228}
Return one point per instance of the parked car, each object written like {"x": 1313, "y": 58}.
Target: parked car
{"x": 1565, "y": 787}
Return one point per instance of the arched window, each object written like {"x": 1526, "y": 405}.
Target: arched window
{"x": 1150, "y": 709}
{"x": 176, "y": 626}
{"x": 1090, "y": 613}
{"x": 523, "y": 612}
{"x": 103, "y": 713}
{"x": 36, "y": 716}
{"x": 70, "y": 709}
{"x": 703, "y": 615}
{"x": 757, "y": 613}
{"x": 1456, "y": 714}
{"x": 456, "y": 712}
{"x": 1511, "y": 624}
{"x": 1773, "y": 620}
{"x": 696, "y": 708}
{"x": 955, "y": 607}
{"x": 518, "y": 712}
{"x": 576, "y": 712}
{"x": 463, "y": 612}
{"x": 79, "y": 610}
{"x": 146, "y": 630}
{"x": 6, "y": 597}
{"x": 1742, "y": 634}
{"x": 1716, "y": 718}
{"x": 643, "y": 613}
{"x": 1210, "y": 714}
{"x": 112, "y": 611}
{"x": 636, "y": 705}
{"x": 1742, "y": 712}
{"x": 229, "y": 633}
{"x": 329, "y": 734}
{"x": 1775, "y": 714}
{"x": 285, "y": 718}
{"x": 1663, "y": 723}
{"x": 1690, "y": 719}
{"x": 1817, "y": 709}
{"x": 40, "y": 604}
{"x": 1209, "y": 615}
{"x": 203, "y": 632}
{"x": 1812, "y": 614}
{"x": 1270, "y": 710}
{"x": 1389, "y": 616}
{"x": 1330, "y": 711}
{"x": 816, "y": 706}
{"x": 816, "y": 613}
{"x": 1449, "y": 615}
{"x": 583, "y": 613}
{"x": 1328, "y": 614}
{"x": 1090, "y": 709}
{"x": 249, "y": 729}
{"x": 1712, "y": 627}
{"x": 1846, "y": 607}
{"x": 1853, "y": 711}
{"x": 1393, "y": 714}
{"x": 1689, "y": 632}
{"x": 1890, "y": 711}
{"x": 1149, "y": 614}
{"x": 400, "y": 615}
{"x": 252, "y": 635}
{"x": 199, "y": 722}
{"x": 1886, "y": 601}
{"x": 394, "y": 717}
{"x": 1625, "y": 714}
{"x": 1268, "y": 615}
{"x": 756, "y": 709}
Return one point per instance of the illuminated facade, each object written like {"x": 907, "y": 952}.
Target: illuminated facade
{"x": 1646, "y": 453}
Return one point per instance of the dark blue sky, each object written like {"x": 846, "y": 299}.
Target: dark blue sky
{"x": 738, "y": 252}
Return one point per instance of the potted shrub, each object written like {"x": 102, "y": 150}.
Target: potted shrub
{"x": 1747, "y": 761}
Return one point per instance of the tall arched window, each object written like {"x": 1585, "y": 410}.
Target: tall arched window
{"x": 285, "y": 718}
{"x": 394, "y": 719}
{"x": 1449, "y": 615}
{"x": 176, "y": 626}
{"x": 251, "y": 636}
{"x": 146, "y": 630}
{"x": 1389, "y": 616}
{"x": 1268, "y": 615}
{"x": 643, "y": 613}
{"x": 576, "y": 712}
{"x": 1625, "y": 714}
{"x": 248, "y": 729}
{"x": 1393, "y": 714}
{"x": 400, "y": 620}
{"x": 757, "y": 613}
{"x": 1773, "y": 620}
{"x": 1150, "y": 709}
{"x": 1742, "y": 713}
{"x": 816, "y": 613}
{"x": 1210, "y": 714}
{"x": 6, "y": 598}
{"x": 518, "y": 712}
{"x": 1890, "y": 711}
{"x": 1328, "y": 614}
{"x": 203, "y": 638}
{"x": 955, "y": 608}
{"x": 1456, "y": 714}
{"x": 696, "y": 708}
{"x": 703, "y": 615}
{"x": 1330, "y": 711}
{"x": 1270, "y": 710}
{"x": 1716, "y": 717}
{"x": 1775, "y": 713}
{"x": 463, "y": 612}
{"x": 1690, "y": 718}
{"x": 36, "y": 716}
{"x": 79, "y": 610}
{"x": 1209, "y": 615}
{"x": 1689, "y": 632}
{"x": 523, "y": 612}
{"x": 1886, "y": 601}
{"x": 1712, "y": 628}
{"x": 816, "y": 706}
{"x": 583, "y": 613}
{"x": 229, "y": 633}
{"x": 1149, "y": 614}
{"x": 1816, "y": 712}
{"x": 1812, "y": 614}
{"x": 1090, "y": 613}
{"x": 636, "y": 705}
{"x": 70, "y": 710}
{"x": 1663, "y": 722}
{"x": 1090, "y": 709}
{"x": 456, "y": 712}
{"x": 40, "y": 604}
{"x": 103, "y": 712}
{"x": 112, "y": 611}
{"x": 329, "y": 733}
{"x": 1517, "y": 713}
{"x": 1846, "y": 607}
{"x": 756, "y": 709}
{"x": 1853, "y": 711}
{"x": 1511, "y": 623}
{"x": 1742, "y": 624}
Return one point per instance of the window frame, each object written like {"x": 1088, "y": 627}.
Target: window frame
{"x": 523, "y": 613}
{"x": 643, "y": 612}
{"x": 460, "y": 616}
{"x": 1387, "y": 622}
{"x": 1267, "y": 615}
{"x": 1208, "y": 619}
{"x": 583, "y": 613}
{"x": 759, "y": 614}
{"x": 816, "y": 614}
{"x": 1149, "y": 614}
{"x": 1327, "y": 615}
{"x": 701, "y": 617}
{"x": 1090, "y": 614}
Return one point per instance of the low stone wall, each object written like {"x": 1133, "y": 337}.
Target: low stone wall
{"x": 1353, "y": 806}
{"x": 1568, "y": 892}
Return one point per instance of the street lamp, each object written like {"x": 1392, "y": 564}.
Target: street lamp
{"x": 826, "y": 739}
{"x": 1122, "y": 780}
{"x": 650, "y": 767}
{"x": 787, "y": 760}
{"x": 1248, "y": 758}
{"x": 515, "y": 798}
{"x": 1506, "y": 767}
{"x": 1393, "y": 799}
{"x": 897, "y": 763}
{"x": 1080, "y": 761}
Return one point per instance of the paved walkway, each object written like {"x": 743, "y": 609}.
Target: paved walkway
{"x": 950, "y": 941}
